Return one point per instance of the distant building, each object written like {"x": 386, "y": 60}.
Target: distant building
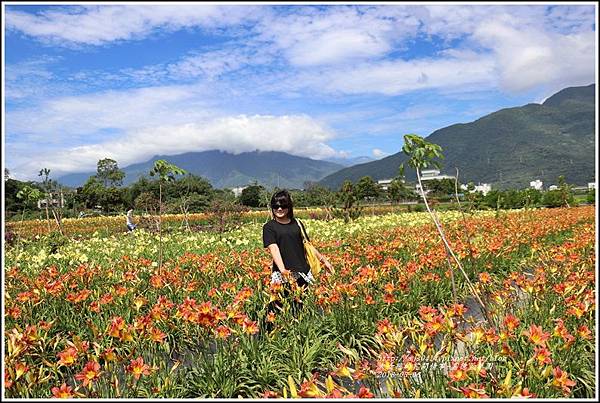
{"x": 431, "y": 174}
{"x": 238, "y": 191}
{"x": 384, "y": 183}
{"x": 43, "y": 203}
{"x": 482, "y": 187}
{"x": 591, "y": 185}
{"x": 536, "y": 184}
{"x": 552, "y": 187}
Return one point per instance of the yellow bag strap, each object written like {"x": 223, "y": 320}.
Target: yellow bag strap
{"x": 303, "y": 231}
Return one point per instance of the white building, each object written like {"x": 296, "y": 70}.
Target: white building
{"x": 591, "y": 185}
{"x": 384, "y": 183}
{"x": 536, "y": 184}
{"x": 238, "y": 191}
{"x": 552, "y": 187}
{"x": 431, "y": 174}
{"x": 59, "y": 202}
{"x": 484, "y": 188}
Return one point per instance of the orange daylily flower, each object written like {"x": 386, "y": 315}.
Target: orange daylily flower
{"x": 561, "y": 380}
{"x": 485, "y": 277}
{"x": 157, "y": 335}
{"x": 384, "y": 326}
{"x": 542, "y": 355}
{"x": 64, "y": 392}
{"x": 385, "y": 363}
{"x": 250, "y": 327}
{"x": 137, "y": 368}
{"x": 458, "y": 372}
{"x": 365, "y": 393}
{"x": 536, "y": 335}
{"x": 524, "y": 394}
{"x": 223, "y": 332}
{"x": 473, "y": 391}
{"x": 90, "y": 372}
{"x": 67, "y": 357}
{"x": 109, "y": 354}
{"x": 20, "y": 369}
{"x": 511, "y": 322}
{"x": 343, "y": 370}
{"x": 584, "y": 332}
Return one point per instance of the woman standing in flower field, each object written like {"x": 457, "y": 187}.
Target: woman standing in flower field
{"x": 282, "y": 237}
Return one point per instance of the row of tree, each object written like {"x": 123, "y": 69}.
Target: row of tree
{"x": 103, "y": 193}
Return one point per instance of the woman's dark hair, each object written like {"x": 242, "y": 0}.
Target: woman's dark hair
{"x": 283, "y": 197}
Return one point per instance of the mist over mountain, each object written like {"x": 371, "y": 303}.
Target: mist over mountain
{"x": 224, "y": 169}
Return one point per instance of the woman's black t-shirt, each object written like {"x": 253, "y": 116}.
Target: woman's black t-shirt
{"x": 289, "y": 240}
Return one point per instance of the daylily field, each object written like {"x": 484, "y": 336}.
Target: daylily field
{"x": 100, "y": 319}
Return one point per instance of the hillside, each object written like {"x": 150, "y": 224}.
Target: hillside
{"x": 510, "y": 147}
{"x": 223, "y": 169}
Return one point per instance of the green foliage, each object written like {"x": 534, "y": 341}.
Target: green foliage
{"x": 166, "y": 171}
{"x": 29, "y": 195}
{"x": 108, "y": 173}
{"x": 54, "y": 241}
{"x": 591, "y": 196}
{"x": 366, "y": 188}
{"x": 556, "y": 198}
{"x": 421, "y": 153}
{"x": 252, "y": 196}
{"x": 398, "y": 190}
{"x": 350, "y": 209}
{"x": 440, "y": 187}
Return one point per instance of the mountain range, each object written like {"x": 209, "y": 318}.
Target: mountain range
{"x": 226, "y": 170}
{"x": 510, "y": 147}
{"x": 507, "y": 148}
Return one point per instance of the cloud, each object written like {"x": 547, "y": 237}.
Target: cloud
{"x": 529, "y": 58}
{"x": 330, "y": 35}
{"x": 295, "y": 134}
{"x": 377, "y": 153}
{"x": 76, "y": 117}
{"x": 400, "y": 77}
{"x": 100, "y": 25}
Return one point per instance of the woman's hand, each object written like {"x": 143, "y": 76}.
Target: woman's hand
{"x": 327, "y": 265}
{"x": 284, "y": 272}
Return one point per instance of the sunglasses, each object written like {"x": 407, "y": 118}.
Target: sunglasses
{"x": 279, "y": 206}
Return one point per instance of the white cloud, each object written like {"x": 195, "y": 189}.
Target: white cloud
{"x": 79, "y": 116}
{"x": 297, "y": 134}
{"x": 377, "y": 153}
{"x": 399, "y": 77}
{"x": 337, "y": 34}
{"x": 99, "y": 25}
{"x": 529, "y": 58}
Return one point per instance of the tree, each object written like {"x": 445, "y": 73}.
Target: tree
{"x": 166, "y": 172}
{"x": 252, "y": 195}
{"x": 440, "y": 187}
{"x": 29, "y": 195}
{"x": 92, "y": 191}
{"x": 317, "y": 195}
{"x": 49, "y": 187}
{"x": 366, "y": 188}
{"x": 398, "y": 191}
{"x": 350, "y": 209}
{"x": 423, "y": 154}
{"x": 109, "y": 173}
{"x": 566, "y": 196}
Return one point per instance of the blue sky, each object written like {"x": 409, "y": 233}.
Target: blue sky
{"x": 130, "y": 81}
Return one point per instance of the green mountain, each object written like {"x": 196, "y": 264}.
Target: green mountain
{"x": 223, "y": 169}
{"x": 510, "y": 147}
